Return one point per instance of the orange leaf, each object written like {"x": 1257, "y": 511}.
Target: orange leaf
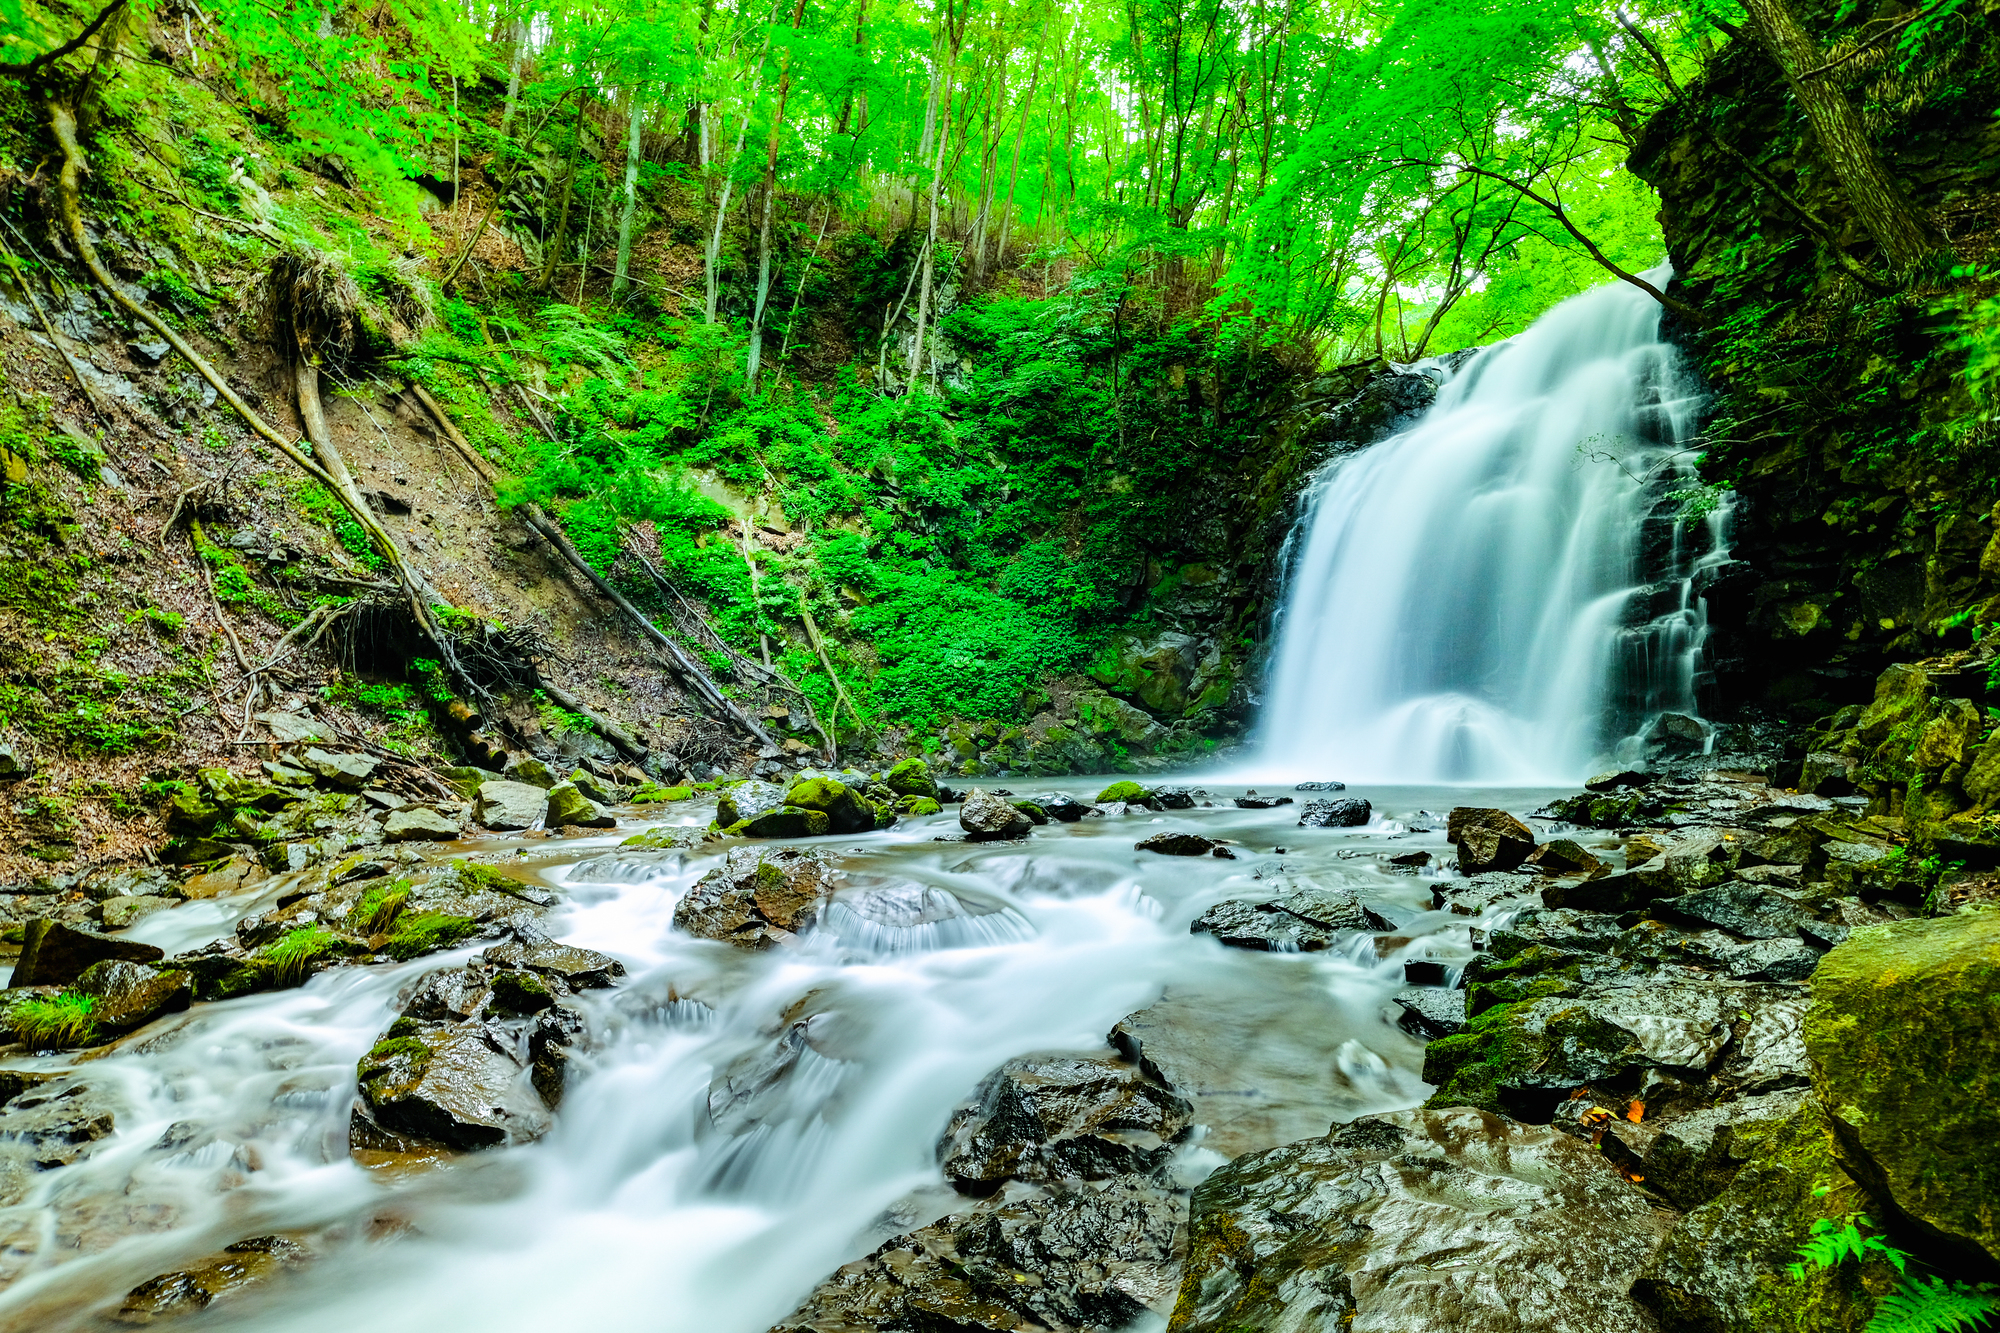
{"x": 1635, "y": 1112}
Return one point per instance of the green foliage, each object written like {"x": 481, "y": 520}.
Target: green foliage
{"x": 53, "y": 1023}
{"x": 419, "y": 933}
{"x": 559, "y": 721}
{"x": 296, "y": 954}
{"x": 1922, "y": 1304}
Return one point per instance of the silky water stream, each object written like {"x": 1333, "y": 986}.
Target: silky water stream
{"x": 940, "y": 960}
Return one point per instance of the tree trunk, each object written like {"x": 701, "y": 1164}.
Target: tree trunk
{"x": 520, "y": 36}
{"x": 554, "y": 255}
{"x": 755, "y": 358}
{"x": 1878, "y": 201}
{"x": 621, "y": 275}
{"x": 930, "y": 250}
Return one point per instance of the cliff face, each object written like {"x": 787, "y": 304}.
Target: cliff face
{"x": 1863, "y": 474}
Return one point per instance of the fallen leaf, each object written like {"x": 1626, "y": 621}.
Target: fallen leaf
{"x": 1636, "y": 1112}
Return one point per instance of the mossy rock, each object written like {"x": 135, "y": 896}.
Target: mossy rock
{"x": 419, "y": 933}
{"x": 520, "y": 993}
{"x": 845, "y": 809}
{"x": 911, "y": 777}
{"x": 787, "y": 821}
{"x": 1726, "y": 1267}
{"x": 1904, "y": 1039}
{"x": 1123, "y": 791}
{"x": 917, "y": 806}
{"x": 665, "y": 839}
{"x": 654, "y": 794}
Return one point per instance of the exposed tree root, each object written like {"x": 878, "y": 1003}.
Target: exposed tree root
{"x": 62, "y": 123}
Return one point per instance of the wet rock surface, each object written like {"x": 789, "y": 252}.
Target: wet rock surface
{"x": 1402, "y": 1221}
{"x": 1078, "y": 1228}
{"x": 1302, "y": 922}
{"x": 757, "y": 897}
{"x": 986, "y": 815}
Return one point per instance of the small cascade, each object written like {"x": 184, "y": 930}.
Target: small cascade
{"x": 1505, "y": 592}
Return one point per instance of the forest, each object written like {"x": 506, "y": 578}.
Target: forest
{"x": 882, "y": 666}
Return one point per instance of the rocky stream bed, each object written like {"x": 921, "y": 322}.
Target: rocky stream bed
{"x": 1062, "y": 1057}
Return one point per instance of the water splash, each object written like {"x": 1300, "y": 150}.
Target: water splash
{"x": 1503, "y": 592}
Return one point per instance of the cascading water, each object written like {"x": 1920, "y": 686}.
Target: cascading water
{"x": 1503, "y": 592}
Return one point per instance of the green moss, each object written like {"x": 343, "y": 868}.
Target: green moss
{"x": 918, "y": 806}
{"x": 521, "y": 993}
{"x": 653, "y": 794}
{"x": 52, "y": 1023}
{"x": 1904, "y": 1038}
{"x": 419, "y": 933}
{"x": 299, "y": 953}
{"x": 376, "y": 910}
{"x": 476, "y": 876}
{"x": 1123, "y": 791}
{"x": 385, "y": 1055}
{"x": 911, "y": 777}
{"x": 405, "y": 1027}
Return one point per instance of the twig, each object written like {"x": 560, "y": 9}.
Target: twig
{"x": 1876, "y": 40}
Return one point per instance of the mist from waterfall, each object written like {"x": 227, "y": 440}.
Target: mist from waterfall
{"x": 1503, "y": 592}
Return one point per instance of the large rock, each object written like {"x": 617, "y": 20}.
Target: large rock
{"x": 53, "y": 954}
{"x": 985, "y": 815}
{"x": 1347, "y": 812}
{"x": 126, "y": 995}
{"x": 757, "y": 897}
{"x": 1073, "y": 1257}
{"x": 1726, "y": 1266}
{"x": 1751, "y": 910}
{"x": 580, "y": 969}
{"x": 1172, "y": 843}
{"x": 506, "y": 806}
{"x": 450, "y": 1085}
{"x": 1051, "y": 1117}
{"x": 418, "y": 823}
{"x": 1303, "y": 922}
{"x": 747, "y": 800}
{"x": 845, "y": 809}
{"x": 1419, "y": 1222}
{"x": 1904, "y": 1039}
{"x": 340, "y": 769}
{"x": 1488, "y": 839}
{"x": 911, "y": 777}
{"x": 570, "y": 808}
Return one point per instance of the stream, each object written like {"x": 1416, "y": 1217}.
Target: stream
{"x": 939, "y": 961}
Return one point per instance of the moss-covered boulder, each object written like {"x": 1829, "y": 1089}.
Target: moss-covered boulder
{"x": 747, "y": 800}
{"x": 1123, "y": 791}
{"x": 570, "y": 808}
{"x": 758, "y": 897}
{"x": 787, "y": 821}
{"x": 846, "y": 810}
{"x": 654, "y": 794}
{"x": 917, "y": 806}
{"x": 1904, "y": 1040}
{"x": 1726, "y": 1267}
{"x": 911, "y": 777}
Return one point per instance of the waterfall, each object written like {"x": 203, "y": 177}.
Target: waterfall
{"x": 1504, "y": 592}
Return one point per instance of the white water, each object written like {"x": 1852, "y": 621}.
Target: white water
{"x": 636, "y": 1212}
{"x": 1469, "y": 601}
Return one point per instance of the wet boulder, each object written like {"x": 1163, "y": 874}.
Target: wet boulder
{"x": 1488, "y": 839}
{"x": 1057, "y": 1116}
{"x": 1430, "y": 1012}
{"x": 746, "y": 801}
{"x": 1303, "y": 922}
{"x": 1320, "y": 786}
{"x": 579, "y": 969}
{"x": 757, "y": 897}
{"x": 1370, "y": 1227}
{"x": 1063, "y": 808}
{"x": 120, "y": 913}
{"x": 1183, "y": 844}
{"x": 1070, "y": 1257}
{"x": 1752, "y": 911}
{"x": 454, "y": 1086}
{"x": 845, "y": 810}
{"x": 1564, "y": 856}
{"x": 56, "y": 1122}
{"x": 1726, "y": 1266}
{"x": 125, "y": 996}
{"x": 53, "y": 954}
{"x": 1905, "y": 1053}
{"x": 1346, "y": 812}
{"x": 1255, "y": 802}
{"x": 189, "y": 1290}
{"x": 505, "y": 806}
{"x": 570, "y": 808}
{"x": 1174, "y": 798}
{"x": 986, "y": 816}
{"x": 911, "y": 777}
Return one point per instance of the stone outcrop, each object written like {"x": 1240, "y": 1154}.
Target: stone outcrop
{"x": 1376, "y": 1226}
{"x": 757, "y": 897}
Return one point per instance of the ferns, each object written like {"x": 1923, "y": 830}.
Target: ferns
{"x": 1921, "y": 1304}
{"x": 1933, "y": 1305}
